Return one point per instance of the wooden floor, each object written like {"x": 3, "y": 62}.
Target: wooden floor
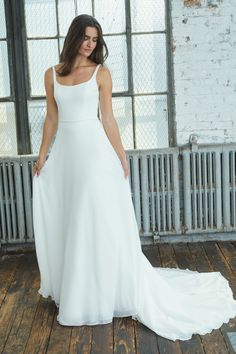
{"x": 28, "y": 322}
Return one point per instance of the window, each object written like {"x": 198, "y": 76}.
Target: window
{"x": 8, "y": 143}
{"x": 136, "y": 36}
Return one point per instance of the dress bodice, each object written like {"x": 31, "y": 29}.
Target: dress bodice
{"x": 77, "y": 102}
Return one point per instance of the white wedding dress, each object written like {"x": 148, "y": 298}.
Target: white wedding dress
{"x": 87, "y": 239}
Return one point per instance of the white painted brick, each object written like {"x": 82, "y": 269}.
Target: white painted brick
{"x": 204, "y": 40}
{"x": 203, "y": 136}
{"x": 206, "y": 125}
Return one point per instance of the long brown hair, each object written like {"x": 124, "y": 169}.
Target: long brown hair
{"x": 74, "y": 39}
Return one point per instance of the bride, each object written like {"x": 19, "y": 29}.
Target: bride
{"x": 86, "y": 235}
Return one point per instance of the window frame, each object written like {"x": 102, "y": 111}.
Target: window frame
{"x": 19, "y": 69}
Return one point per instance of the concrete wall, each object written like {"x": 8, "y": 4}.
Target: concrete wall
{"x": 204, "y": 64}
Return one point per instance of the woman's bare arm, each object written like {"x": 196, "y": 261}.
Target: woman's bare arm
{"x": 50, "y": 122}
{"x": 109, "y": 123}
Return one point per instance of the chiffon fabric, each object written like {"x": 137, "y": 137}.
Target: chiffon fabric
{"x": 87, "y": 239}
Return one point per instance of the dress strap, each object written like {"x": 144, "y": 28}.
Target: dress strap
{"x": 95, "y": 71}
{"x": 54, "y": 74}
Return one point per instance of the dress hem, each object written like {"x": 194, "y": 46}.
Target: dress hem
{"x": 87, "y": 323}
{"x": 93, "y": 323}
{"x": 203, "y": 331}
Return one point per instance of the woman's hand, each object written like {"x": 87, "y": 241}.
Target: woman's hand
{"x": 125, "y": 166}
{"x": 38, "y": 166}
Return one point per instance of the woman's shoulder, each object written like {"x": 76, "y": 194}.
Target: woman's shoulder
{"x": 49, "y": 71}
{"x": 104, "y": 78}
{"x": 48, "y": 75}
{"x": 104, "y": 70}
{"x": 55, "y": 67}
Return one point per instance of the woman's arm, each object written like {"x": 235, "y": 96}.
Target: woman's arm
{"x": 109, "y": 123}
{"x": 50, "y": 123}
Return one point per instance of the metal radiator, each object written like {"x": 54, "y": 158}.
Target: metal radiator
{"x": 155, "y": 190}
{"x": 16, "y": 199}
{"x": 209, "y": 187}
{"x": 175, "y": 191}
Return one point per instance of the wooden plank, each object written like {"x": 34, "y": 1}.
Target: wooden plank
{"x": 168, "y": 260}
{"x": 102, "y": 339}
{"x": 199, "y": 257}
{"x": 21, "y": 295}
{"x": 146, "y": 339}
{"x": 167, "y": 255}
{"x": 124, "y": 336}
{"x": 185, "y": 261}
{"x": 229, "y": 247}
{"x": 59, "y": 340}
{"x": 26, "y": 308}
{"x": 193, "y": 345}
{"x": 8, "y": 268}
{"x": 214, "y": 342}
{"x": 81, "y": 340}
{"x": 216, "y": 259}
{"x": 183, "y": 256}
{"x": 41, "y": 327}
{"x": 167, "y": 346}
{"x": 229, "y": 252}
{"x": 12, "y": 299}
{"x": 226, "y": 259}
{"x": 152, "y": 254}
{"x": 233, "y": 243}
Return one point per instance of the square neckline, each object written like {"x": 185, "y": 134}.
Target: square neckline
{"x": 81, "y": 83}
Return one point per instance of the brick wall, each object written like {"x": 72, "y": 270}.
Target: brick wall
{"x": 204, "y": 64}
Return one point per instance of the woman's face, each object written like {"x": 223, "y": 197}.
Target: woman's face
{"x": 90, "y": 41}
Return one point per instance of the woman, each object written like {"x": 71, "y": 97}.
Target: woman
{"x": 86, "y": 235}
